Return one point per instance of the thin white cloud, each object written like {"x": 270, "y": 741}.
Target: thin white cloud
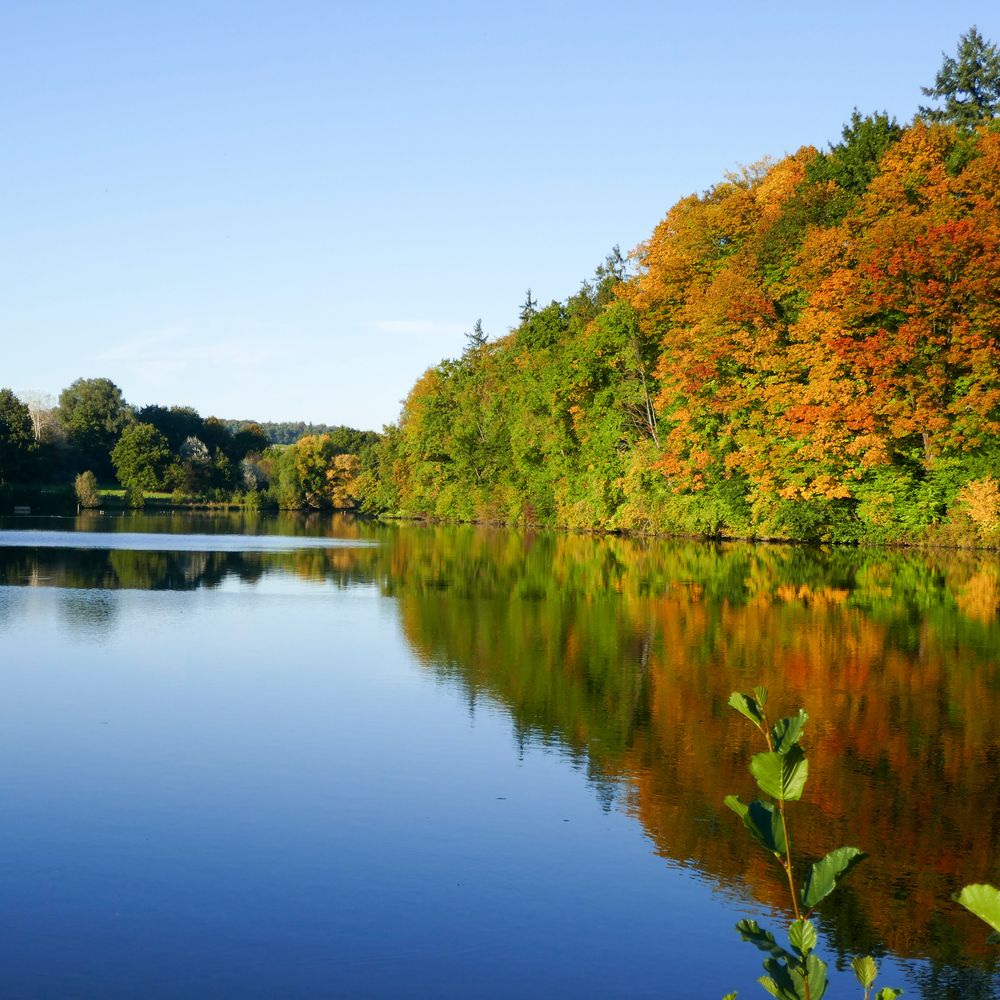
{"x": 163, "y": 354}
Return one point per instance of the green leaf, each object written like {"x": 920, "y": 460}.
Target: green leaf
{"x": 888, "y": 993}
{"x": 730, "y": 996}
{"x": 782, "y": 984}
{"x": 760, "y": 693}
{"x": 786, "y": 733}
{"x": 751, "y": 931}
{"x": 823, "y": 875}
{"x": 763, "y": 821}
{"x": 802, "y": 936}
{"x": 983, "y": 901}
{"x": 865, "y": 970}
{"x": 734, "y": 803}
{"x": 816, "y": 968}
{"x": 789, "y": 981}
{"x": 746, "y": 705}
{"x": 781, "y": 775}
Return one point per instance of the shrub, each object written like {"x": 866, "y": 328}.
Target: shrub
{"x": 85, "y": 486}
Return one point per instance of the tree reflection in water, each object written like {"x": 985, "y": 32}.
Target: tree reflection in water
{"x": 625, "y": 652}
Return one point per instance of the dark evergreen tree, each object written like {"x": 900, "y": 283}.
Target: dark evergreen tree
{"x": 968, "y": 85}
{"x": 477, "y": 338}
{"x": 853, "y": 162}
{"x": 529, "y": 308}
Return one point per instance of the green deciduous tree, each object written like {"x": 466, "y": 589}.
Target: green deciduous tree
{"x": 175, "y": 423}
{"x": 249, "y": 439}
{"x": 17, "y": 439}
{"x": 141, "y": 457}
{"x": 94, "y": 413}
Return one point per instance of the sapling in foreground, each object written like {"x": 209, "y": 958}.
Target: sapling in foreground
{"x": 796, "y": 972}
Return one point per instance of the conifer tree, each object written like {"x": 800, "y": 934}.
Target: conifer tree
{"x": 969, "y": 85}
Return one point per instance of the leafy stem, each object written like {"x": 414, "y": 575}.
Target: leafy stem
{"x": 796, "y": 973}
{"x": 786, "y": 863}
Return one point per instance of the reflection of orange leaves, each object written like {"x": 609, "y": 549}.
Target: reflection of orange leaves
{"x": 806, "y": 595}
{"x": 979, "y": 598}
{"x": 888, "y": 722}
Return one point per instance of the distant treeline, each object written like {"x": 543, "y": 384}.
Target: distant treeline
{"x": 289, "y": 431}
{"x": 810, "y": 349}
{"x": 93, "y": 436}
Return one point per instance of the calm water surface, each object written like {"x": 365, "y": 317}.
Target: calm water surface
{"x": 314, "y": 757}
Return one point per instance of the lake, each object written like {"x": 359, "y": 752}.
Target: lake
{"x": 315, "y": 756}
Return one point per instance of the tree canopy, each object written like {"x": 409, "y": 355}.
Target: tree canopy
{"x": 93, "y": 413}
{"x": 141, "y": 457}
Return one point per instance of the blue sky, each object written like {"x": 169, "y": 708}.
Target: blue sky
{"x": 289, "y": 210}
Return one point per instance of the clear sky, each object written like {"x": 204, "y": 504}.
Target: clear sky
{"x": 288, "y": 210}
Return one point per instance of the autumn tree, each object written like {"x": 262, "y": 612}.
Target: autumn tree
{"x": 85, "y": 487}
{"x": 807, "y": 349}
{"x": 341, "y": 478}
{"x": 311, "y": 473}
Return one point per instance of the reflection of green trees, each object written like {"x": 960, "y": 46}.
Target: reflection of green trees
{"x": 293, "y": 523}
{"x": 626, "y": 651}
{"x": 115, "y": 569}
{"x": 89, "y": 614}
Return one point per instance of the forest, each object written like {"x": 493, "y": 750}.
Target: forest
{"x": 806, "y": 350}
{"x": 93, "y": 438}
